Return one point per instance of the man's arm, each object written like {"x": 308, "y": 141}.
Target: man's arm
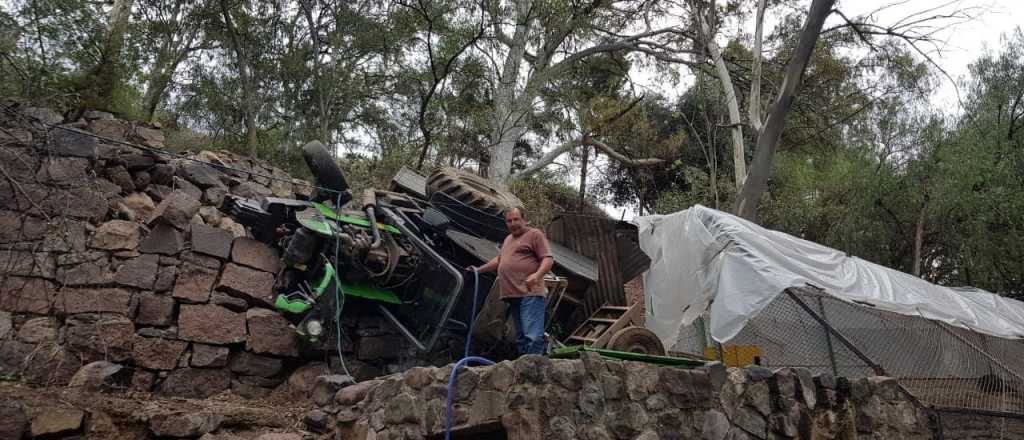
{"x": 490, "y": 266}
{"x": 545, "y": 266}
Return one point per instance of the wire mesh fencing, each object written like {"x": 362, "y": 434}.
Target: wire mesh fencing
{"x": 950, "y": 369}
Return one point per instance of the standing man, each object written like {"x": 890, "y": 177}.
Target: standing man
{"x": 524, "y": 259}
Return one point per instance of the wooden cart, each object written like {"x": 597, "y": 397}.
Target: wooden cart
{"x": 617, "y": 328}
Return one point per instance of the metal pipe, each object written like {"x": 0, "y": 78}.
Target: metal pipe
{"x": 369, "y": 202}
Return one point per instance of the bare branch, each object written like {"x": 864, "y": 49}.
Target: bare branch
{"x": 619, "y": 157}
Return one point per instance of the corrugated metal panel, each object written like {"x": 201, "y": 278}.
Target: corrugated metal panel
{"x": 593, "y": 237}
{"x": 632, "y": 260}
{"x": 565, "y": 258}
{"x": 410, "y": 181}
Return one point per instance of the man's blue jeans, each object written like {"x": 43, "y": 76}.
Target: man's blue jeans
{"x": 528, "y": 316}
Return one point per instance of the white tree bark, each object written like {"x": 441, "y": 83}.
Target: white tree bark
{"x": 731, "y": 103}
{"x": 755, "y": 74}
{"x": 507, "y": 125}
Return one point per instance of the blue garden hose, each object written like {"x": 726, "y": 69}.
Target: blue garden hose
{"x": 467, "y": 359}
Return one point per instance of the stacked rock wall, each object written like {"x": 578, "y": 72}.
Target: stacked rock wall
{"x": 594, "y": 398}
{"x": 111, "y": 253}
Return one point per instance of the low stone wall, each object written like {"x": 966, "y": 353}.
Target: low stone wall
{"x": 594, "y": 398}
{"x": 109, "y": 253}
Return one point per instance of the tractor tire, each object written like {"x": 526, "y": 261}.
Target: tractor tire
{"x": 323, "y": 167}
{"x": 471, "y": 190}
{"x": 636, "y": 340}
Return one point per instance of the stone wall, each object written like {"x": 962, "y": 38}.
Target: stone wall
{"x": 109, "y": 253}
{"x": 594, "y": 398}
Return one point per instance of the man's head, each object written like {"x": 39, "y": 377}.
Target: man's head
{"x": 515, "y": 221}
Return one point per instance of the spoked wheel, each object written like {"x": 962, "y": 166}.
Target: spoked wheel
{"x": 636, "y": 340}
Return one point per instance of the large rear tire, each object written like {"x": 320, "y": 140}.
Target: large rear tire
{"x": 636, "y": 340}
{"x": 323, "y": 167}
{"x": 471, "y": 190}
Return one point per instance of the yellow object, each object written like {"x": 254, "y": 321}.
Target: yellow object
{"x": 735, "y": 355}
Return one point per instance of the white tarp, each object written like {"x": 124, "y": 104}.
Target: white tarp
{"x": 701, "y": 256}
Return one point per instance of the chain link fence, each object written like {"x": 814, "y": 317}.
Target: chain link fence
{"x": 974, "y": 381}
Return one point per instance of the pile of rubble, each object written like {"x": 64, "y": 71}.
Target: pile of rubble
{"x": 111, "y": 253}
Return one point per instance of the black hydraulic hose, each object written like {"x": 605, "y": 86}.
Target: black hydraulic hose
{"x": 373, "y": 227}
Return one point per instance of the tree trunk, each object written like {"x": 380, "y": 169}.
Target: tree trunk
{"x": 919, "y": 239}
{"x": 735, "y": 124}
{"x": 107, "y": 74}
{"x": 506, "y": 127}
{"x": 242, "y": 63}
{"x": 756, "y": 183}
{"x": 583, "y": 176}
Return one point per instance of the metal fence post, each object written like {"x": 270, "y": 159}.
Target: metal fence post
{"x": 828, "y": 340}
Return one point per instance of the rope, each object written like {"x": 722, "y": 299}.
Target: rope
{"x": 339, "y": 305}
{"x": 160, "y": 152}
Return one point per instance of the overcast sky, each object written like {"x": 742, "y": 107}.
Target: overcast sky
{"x": 963, "y": 42}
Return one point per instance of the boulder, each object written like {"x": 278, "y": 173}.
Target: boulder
{"x": 196, "y": 383}
{"x": 138, "y": 162}
{"x": 151, "y": 137}
{"x": 255, "y": 286}
{"x": 251, "y": 190}
{"x": 270, "y": 333}
{"x": 164, "y": 239}
{"x": 353, "y": 394}
{"x": 209, "y": 356}
{"x": 210, "y": 324}
{"x": 214, "y": 196}
{"x": 138, "y": 272}
{"x": 162, "y": 174}
{"x": 157, "y": 353}
{"x": 194, "y": 283}
{"x": 116, "y": 235}
{"x": 142, "y": 179}
{"x": 255, "y": 254}
{"x": 56, "y": 421}
{"x": 187, "y": 187}
{"x": 44, "y": 115}
{"x": 184, "y": 424}
{"x": 210, "y": 240}
{"x": 101, "y": 376}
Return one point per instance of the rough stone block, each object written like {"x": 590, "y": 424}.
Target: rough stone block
{"x": 184, "y": 424}
{"x": 209, "y": 356}
{"x": 252, "y": 253}
{"x": 228, "y": 301}
{"x": 63, "y": 170}
{"x": 176, "y": 209}
{"x": 72, "y": 301}
{"x": 138, "y": 272}
{"x": 196, "y": 383}
{"x": 116, "y": 235}
{"x": 211, "y": 240}
{"x": 157, "y": 353}
{"x": 26, "y": 295}
{"x": 255, "y": 286}
{"x": 194, "y": 283}
{"x": 210, "y": 324}
{"x": 122, "y": 178}
{"x": 156, "y": 310}
{"x": 70, "y": 142}
{"x": 254, "y": 365}
{"x": 165, "y": 278}
{"x": 13, "y": 422}
{"x": 39, "y": 330}
{"x": 270, "y": 333}
{"x": 100, "y": 336}
{"x": 140, "y": 203}
{"x": 100, "y": 376}
{"x": 56, "y": 421}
